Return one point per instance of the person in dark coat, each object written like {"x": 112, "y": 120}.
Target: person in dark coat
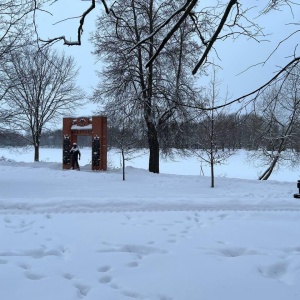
{"x": 75, "y": 152}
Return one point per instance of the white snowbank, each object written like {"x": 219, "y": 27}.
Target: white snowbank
{"x": 88, "y": 235}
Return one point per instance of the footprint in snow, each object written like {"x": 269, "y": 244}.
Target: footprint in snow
{"x": 236, "y": 252}
{"x": 68, "y": 276}
{"x": 24, "y": 266}
{"x": 131, "y": 294}
{"x": 104, "y": 269}
{"x": 82, "y": 289}
{"x": 274, "y": 271}
{"x": 3, "y": 261}
{"x": 34, "y": 276}
{"x": 105, "y": 279}
{"x": 133, "y": 264}
{"x": 171, "y": 241}
{"x": 7, "y": 220}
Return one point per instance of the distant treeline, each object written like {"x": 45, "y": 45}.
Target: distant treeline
{"x": 231, "y": 132}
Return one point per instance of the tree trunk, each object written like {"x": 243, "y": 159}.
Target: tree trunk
{"x": 282, "y": 147}
{"x": 212, "y": 172}
{"x": 36, "y": 139}
{"x": 36, "y": 152}
{"x": 152, "y": 131}
{"x": 268, "y": 172}
{"x": 153, "y": 148}
{"x": 123, "y": 164}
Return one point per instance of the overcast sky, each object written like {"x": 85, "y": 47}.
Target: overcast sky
{"x": 235, "y": 56}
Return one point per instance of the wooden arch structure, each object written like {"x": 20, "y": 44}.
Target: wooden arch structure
{"x": 96, "y": 127}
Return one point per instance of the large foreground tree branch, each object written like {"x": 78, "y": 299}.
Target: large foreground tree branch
{"x": 291, "y": 64}
{"x": 215, "y": 35}
{"x": 183, "y": 8}
{"x": 285, "y": 69}
{"x": 187, "y": 11}
{"x": 80, "y": 27}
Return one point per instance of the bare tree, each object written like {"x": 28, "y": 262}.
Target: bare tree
{"x": 127, "y": 132}
{"x": 279, "y": 108}
{"x": 214, "y": 21}
{"x": 14, "y": 24}
{"x": 43, "y": 89}
{"x": 127, "y": 142}
{"x": 209, "y": 147}
{"x": 155, "y": 94}
{"x": 15, "y": 33}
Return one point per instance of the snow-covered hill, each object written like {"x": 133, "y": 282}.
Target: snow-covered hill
{"x": 88, "y": 235}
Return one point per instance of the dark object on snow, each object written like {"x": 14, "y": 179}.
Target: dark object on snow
{"x": 298, "y": 186}
{"x": 96, "y": 151}
{"x": 66, "y": 150}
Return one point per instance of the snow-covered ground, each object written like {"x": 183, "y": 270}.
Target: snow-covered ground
{"x": 88, "y": 235}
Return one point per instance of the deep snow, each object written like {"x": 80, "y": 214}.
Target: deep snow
{"x": 88, "y": 235}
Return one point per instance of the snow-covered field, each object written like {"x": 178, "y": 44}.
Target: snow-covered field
{"x": 88, "y": 235}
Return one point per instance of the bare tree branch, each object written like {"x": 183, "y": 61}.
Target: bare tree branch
{"x": 188, "y": 10}
{"x": 183, "y": 8}
{"x": 80, "y": 28}
{"x": 284, "y": 69}
{"x": 215, "y": 36}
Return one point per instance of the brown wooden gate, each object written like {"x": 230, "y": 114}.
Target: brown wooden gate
{"x": 96, "y": 127}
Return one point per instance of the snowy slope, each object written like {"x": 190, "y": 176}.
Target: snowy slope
{"x": 89, "y": 235}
